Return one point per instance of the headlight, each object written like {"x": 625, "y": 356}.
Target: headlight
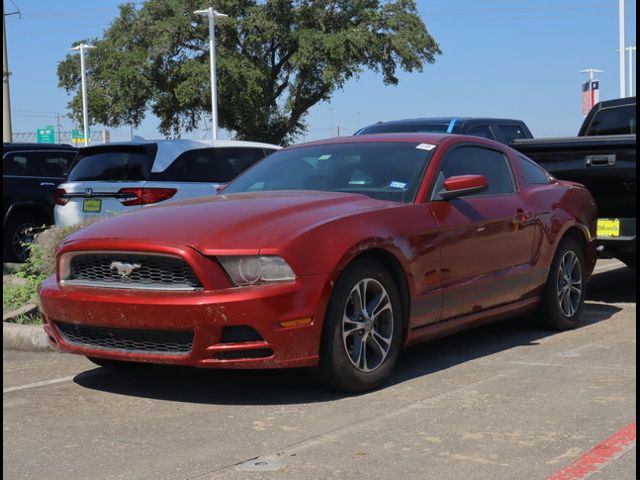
{"x": 253, "y": 270}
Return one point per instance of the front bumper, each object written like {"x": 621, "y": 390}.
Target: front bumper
{"x": 205, "y": 313}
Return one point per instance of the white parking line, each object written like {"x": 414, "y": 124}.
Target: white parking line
{"x": 608, "y": 266}
{"x": 37, "y": 384}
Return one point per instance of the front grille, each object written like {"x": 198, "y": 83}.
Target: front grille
{"x": 127, "y": 340}
{"x": 131, "y": 270}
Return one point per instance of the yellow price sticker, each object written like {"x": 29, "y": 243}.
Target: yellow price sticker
{"x": 608, "y": 227}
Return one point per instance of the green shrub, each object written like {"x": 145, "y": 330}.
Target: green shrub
{"x": 40, "y": 265}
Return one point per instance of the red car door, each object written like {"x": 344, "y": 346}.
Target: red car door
{"x": 485, "y": 239}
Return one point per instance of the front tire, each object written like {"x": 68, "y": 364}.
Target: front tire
{"x": 363, "y": 329}
{"x": 565, "y": 291}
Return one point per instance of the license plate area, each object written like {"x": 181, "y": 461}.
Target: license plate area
{"x": 608, "y": 227}
{"x": 92, "y": 205}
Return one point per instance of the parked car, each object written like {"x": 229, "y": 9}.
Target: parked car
{"x": 331, "y": 255}
{"x": 110, "y": 179}
{"x": 500, "y": 129}
{"x": 30, "y": 174}
{"x": 603, "y": 158}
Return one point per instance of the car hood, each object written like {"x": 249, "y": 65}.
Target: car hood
{"x": 231, "y": 224}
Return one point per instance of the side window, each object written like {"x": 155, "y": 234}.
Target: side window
{"x": 220, "y": 165}
{"x": 15, "y": 164}
{"x": 240, "y": 158}
{"x": 470, "y": 160}
{"x": 481, "y": 131}
{"x": 511, "y": 132}
{"x": 533, "y": 173}
{"x": 55, "y": 164}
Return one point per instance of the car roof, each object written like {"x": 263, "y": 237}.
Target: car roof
{"x": 169, "y": 150}
{"x": 9, "y": 147}
{"x": 616, "y": 102}
{"x": 443, "y": 120}
{"x": 431, "y": 138}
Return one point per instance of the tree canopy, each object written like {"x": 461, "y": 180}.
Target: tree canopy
{"x": 275, "y": 60}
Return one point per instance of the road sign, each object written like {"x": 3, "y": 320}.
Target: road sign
{"x": 46, "y": 134}
{"x": 78, "y": 137}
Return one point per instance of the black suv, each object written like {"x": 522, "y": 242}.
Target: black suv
{"x": 30, "y": 174}
{"x": 502, "y": 130}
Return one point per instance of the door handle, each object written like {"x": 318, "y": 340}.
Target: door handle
{"x": 47, "y": 184}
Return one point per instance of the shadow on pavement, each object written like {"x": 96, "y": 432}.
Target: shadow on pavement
{"x": 268, "y": 387}
{"x": 613, "y": 286}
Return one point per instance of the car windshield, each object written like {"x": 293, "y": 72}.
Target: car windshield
{"x": 382, "y": 170}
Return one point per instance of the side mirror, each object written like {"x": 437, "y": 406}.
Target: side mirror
{"x": 462, "y": 185}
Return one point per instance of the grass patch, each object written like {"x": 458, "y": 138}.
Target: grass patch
{"x": 40, "y": 265}
{"x": 28, "y": 319}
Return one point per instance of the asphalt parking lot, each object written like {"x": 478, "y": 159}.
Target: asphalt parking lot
{"x": 507, "y": 401}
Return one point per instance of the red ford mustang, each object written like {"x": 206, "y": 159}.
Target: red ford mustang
{"x": 332, "y": 255}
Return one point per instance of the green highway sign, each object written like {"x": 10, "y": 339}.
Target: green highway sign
{"x": 77, "y": 136}
{"x": 46, "y": 134}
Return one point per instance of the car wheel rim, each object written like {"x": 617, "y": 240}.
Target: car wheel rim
{"x": 367, "y": 325}
{"x": 21, "y": 240}
{"x": 569, "y": 285}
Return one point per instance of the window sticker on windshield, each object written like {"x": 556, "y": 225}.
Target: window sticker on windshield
{"x": 397, "y": 185}
{"x": 324, "y": 157}
{"x": 426, "y": 146}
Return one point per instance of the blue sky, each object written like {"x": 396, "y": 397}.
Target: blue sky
{"x": 506, "y": 58}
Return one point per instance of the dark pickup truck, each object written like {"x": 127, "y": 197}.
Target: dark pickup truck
{"x": 30, "y": 174}
{"x": 603, "y": 158}
{"x": 503, "y": 130}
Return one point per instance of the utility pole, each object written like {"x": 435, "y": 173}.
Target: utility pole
{"x": 85, "y": 106}
{"x": 630, "y": 51}
{"x": 58, "y": 128}
{"x": 212, "y": 15}
{"x": 623, "y": 89}
{"x": 330, "y": 121}
{"x": 7, "y": 133}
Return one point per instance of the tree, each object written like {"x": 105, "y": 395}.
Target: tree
{"x": 275, "y": 60}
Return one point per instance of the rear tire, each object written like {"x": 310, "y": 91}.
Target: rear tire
{"x": 565, "y": 291}
{"x": 361, "y": 339}
{"x": 16, "y": 235}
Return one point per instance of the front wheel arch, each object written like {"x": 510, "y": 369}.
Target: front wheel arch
{"x": 391, "y": 262}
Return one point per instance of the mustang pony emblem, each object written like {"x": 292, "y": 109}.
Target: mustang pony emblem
{"x": 124, "y": 269}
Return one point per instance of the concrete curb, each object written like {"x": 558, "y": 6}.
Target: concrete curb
{"x": 31, "y": 338}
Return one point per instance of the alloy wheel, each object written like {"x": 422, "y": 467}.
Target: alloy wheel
{"x": 367, "y": 325}
{"x": 569, "y": 284}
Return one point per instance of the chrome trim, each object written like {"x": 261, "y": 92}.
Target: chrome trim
{"x": 64, "y": 264}
{"x": 126, "y": 286}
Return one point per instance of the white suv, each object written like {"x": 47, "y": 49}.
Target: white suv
{"x": 110, "y": 179}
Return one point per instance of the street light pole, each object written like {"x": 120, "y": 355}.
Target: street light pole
{"x": 630, "y": 50}
{"x": 7, "y": 133}
{"x": 623, "y": 89}
{"x": 212, "y": 14}
{"x": 85, "y": 106}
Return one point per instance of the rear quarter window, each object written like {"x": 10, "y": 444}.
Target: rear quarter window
{"x": 533, "y": 173}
